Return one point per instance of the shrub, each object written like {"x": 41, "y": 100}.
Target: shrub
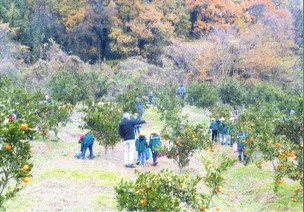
{"x": 231, "y": 91}
{"x": 73, "y": 86}
{"x": 165, "y": 191}
{"x": 203, "y": 94}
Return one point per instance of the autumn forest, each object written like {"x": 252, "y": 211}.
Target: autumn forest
{"x": 204, "y": 39}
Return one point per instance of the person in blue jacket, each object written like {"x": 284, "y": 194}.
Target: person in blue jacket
{"x": 154, "y": 144}
{"x": 141, "y": 144}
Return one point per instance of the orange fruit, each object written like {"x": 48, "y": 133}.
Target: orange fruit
{"x": 218, "y": 208}
{"x": 280, "y": 181}
{"x": 8, "y": 147}
{"x": 294, "y": 199}
{"x": 24, "y": 127}
{"x": 26, "y": 179}
{"x": 202, "y": 208}
{"x": 297, "y": 189}
{"x": 148, "y": 186}
{"x": 278, "y": 144}
{"x": 218, "y": 189}
{"x": 143, "y": 201}
{"x": 25, "y": 167}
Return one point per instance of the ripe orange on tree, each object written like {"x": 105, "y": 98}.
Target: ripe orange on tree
{"x": 26, "y": 179}
{"x": 24, "y": 127}
{"x": 202, "y": 208}
{"x": 294, "y": 199}
{"x": 25, "y": 167}
{"x": 8, "y": 147}
{"x": 218, "y": 189}
{"x": 143, "y": 201}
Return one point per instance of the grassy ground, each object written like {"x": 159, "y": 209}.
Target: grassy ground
{"x": 62, "y": 183}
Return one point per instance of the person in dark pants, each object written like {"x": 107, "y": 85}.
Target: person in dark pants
{"x": 241, "y": 146}
{"x": 214, "y": 130}
{"x": 181, "y": 92}
{"x": 87, "y": 142}
{"x": 126, "y": 131}
{"x": 154, "y": 144}
{"x": 139, "y": 107}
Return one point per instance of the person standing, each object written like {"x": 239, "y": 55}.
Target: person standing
{"x": 126, "y": 131}
{"x": 139, "y": 107}
{"x": 181, "y": 92}
{"x": 213, "y": 127}
{"x": 154, "y": 144}
{"x": 222, "y": 131}
{"x": 141, "y": 145}
{"x": 150, "y": 98}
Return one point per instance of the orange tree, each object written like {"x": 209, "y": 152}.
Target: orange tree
{"x": 128, "y": 98}
{"x": 102, "y": 120}
{"x": 49, "y": 115}
{"x": 183, "y": 137}
{"x": 14, "y": 157}
{"x": 166, "y": 191}
{"x": 272, "y": 137}
{"x": 32, "y": 107}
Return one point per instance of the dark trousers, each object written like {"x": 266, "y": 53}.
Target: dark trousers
{"x": 214, "y": 135}
{"x": 154, "y": 156}
{"x": 89, "y": 146}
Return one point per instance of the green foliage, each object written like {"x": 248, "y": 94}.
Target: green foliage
{"x": 165, "y": 191}
{"x": 203, "y": 94}
{"x": 184, "y": 139}
{"x": 168, "y": 103}
{"x": 231, "y": 91}
{"x": 102, "y": 120}
{"x": 15, "y": 153}
{"x": 32, "y": 108}
{"x": 128, "y": 98}
{"x": 73, "y": 87}
{"x": 274, "y": 139}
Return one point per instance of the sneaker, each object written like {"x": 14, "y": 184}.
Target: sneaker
{"x": 132, "y": 166}
{"x": 137, "y": 163}
{"x": 154, "y": 164}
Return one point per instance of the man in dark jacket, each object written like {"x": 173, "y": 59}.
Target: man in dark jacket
{"x": 126, "y": 131}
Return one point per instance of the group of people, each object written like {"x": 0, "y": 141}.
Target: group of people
{"x": 223, "y": 130}
{"x": 127, "y": 130}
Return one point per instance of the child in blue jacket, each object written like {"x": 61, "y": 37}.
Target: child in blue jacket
{"x": 141, "y": 144}
{"x": 154, "y": 144}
